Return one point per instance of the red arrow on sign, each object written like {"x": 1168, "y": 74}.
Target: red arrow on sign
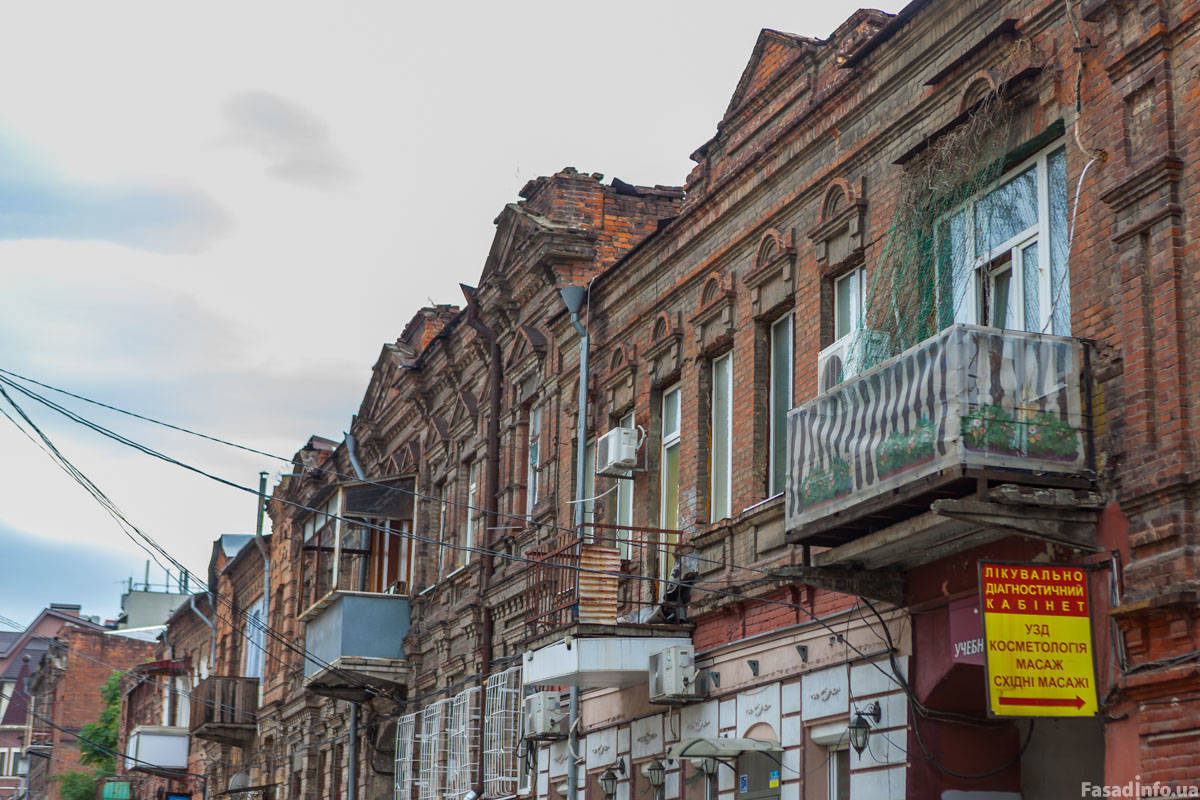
{"x": 1042, "y": 701}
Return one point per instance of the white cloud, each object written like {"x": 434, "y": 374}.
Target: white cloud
{"x": 294, "y": 141}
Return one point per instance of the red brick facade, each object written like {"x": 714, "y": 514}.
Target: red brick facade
{"x": 799, "y": 187}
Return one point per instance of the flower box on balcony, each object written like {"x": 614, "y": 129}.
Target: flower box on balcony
{"x": 968, "y": 401}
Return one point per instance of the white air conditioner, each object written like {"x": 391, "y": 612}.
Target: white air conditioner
{"x": 543, "y": 719}
{"x": 849, "y": 356}
{"x": 673, "y": 675}
{"x": 616, "y": 451}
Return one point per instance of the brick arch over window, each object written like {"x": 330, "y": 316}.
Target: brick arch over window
{"x": 773, "y": 244}
{"x": 663, "y": 327}
{"x": 716, "y": 287}
{"x": 980, "y": 86}
{"x": 662, "y": 352}
{"x": 838, "y": 197}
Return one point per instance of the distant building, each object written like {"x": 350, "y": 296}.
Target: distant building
{"x": 143, "y": 605}
{"x": 20, "y": 654}
{"x": 64, "y": 694}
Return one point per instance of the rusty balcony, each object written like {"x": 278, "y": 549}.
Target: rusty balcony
{"x": 587, "y": 622}
{"x": 224, "y": 709}
{"x": 879, "y": 466}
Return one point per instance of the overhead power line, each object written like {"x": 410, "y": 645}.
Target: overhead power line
{"x": 147, "y": 450}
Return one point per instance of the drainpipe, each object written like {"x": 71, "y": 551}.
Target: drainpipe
{"x": 262, "y": 547}
{"x": 572, "y": 297}
{"x": 266, "y": 558}
{"x": 212, "y": 647}
{"x": 491, "y": 504}
{"x": 352, "y": 734}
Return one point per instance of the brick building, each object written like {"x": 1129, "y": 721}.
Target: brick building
{"x": 20, "y": 654}
{"x": 65, "y": 694}
{"x": 923, "y": 302}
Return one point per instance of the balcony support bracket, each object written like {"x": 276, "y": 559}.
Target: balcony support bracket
{"x": 1056, "y": 522}
{"x": 873, "y": 584}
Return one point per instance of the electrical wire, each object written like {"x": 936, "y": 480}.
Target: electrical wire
{"x": 407, "y": 534}
{"x": 91, "y": 742}
{"x": 522, "y": 519}
{"x": 127, "y": 526}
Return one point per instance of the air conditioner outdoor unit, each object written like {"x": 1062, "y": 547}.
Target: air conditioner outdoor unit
{"x": 616, "y": 451}
{"x": 543, "y": 720}
{"x": 849, "y": 356}
{"x": 673, "y": 675}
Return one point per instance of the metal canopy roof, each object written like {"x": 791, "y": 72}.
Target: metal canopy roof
{"x": 708, "y": 747}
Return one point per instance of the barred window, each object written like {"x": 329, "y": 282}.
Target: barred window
{"x": 431, "y": 783}
{"x": 501, "y": 731}
{"x": 406, "y": 741}
{"x": 464, "y": 732}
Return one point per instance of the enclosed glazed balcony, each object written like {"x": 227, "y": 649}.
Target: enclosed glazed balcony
{"x": 357, "y": 558}
{"x": 590, "y": 624}
{"x": 225, "y": 709}
{"x": 156, "y": 748}
{"x": 958, "y": 438}
{"x": 356, "y": 640}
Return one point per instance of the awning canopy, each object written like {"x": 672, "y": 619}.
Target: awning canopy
{"x": 707, "y": 747}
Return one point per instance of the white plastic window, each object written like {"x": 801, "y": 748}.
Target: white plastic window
{"x": 669, "y": 481}
{"x": 535, "y": 453}
{"x": 255, "y": 640}
{"x": 780, "y": 401}
{"x": 848, "y": 293}
{"x": 721, "y": 438}
{"x": 471, "y": 512}
{"x": 1002, "y": 258}
{"x": 625, "y": 501}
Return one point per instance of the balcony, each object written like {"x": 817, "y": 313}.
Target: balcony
{"x": 590, "y": 625}
{"x": 157, "y": 748}
{"x": 356, "y": 640}
{"x": 224, "y": 710}
{"x": 880, "y": 466}
{"x": 353, "y": 589}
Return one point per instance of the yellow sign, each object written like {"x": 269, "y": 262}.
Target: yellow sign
{"x": 1038, "y": 628}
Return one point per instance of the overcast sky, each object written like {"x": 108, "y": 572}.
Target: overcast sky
{"x": 216, "y": 213}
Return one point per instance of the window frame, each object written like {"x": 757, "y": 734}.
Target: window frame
{"x": 624, "y": 501}
{"x": 856, "y": 279}
{"x": 471, "y": 511}
{"x": 777, "y": 421}
{"x": 255, "y": 656}
{"x": 972, "y": 299}
{"x": 668, "y": 513}
{"x": 720, "y": 460}
{"x": 533, "y": 436}
{"x": 834, "y": 787}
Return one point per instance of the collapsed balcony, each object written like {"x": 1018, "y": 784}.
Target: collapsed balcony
{"x": 354, "y": 590}
{"x": 879, "y": 466}
{"x": 224, "y": 709}
{"x": 589, "y": 623}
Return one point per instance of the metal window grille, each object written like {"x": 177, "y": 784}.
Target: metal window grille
{"x": 501, "y": 731}
{"x": 463, "y": 753}
{"x": 431, "y": 783}
{"x": 406, "y": 740}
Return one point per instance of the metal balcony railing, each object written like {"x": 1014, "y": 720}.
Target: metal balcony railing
{"x": 969, "y": 400}
{"x": 577, "y": 580}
